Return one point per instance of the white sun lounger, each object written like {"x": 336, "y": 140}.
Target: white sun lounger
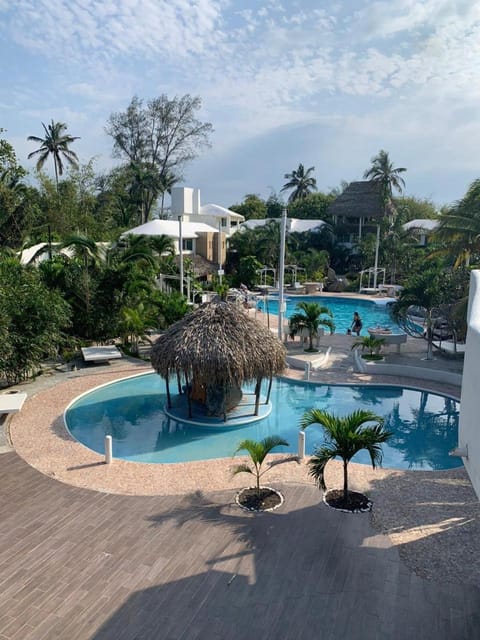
{"x": 11, "y": 402}
{"x": 101, "y": 354}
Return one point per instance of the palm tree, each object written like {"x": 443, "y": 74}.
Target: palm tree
{"x": 383, "y": 171}
{"x": 423, "y": 290}
{"x": 459, "y": 227}
{"x": 371, "y": 343}
{"x": 258, "y": 451}
{"x": 345, "y": 436}
{"x": 55, "y": 143}
{"x": 309, "y": 317}
{"x": 167, "y": 181}
{"x": 301, "y": 181}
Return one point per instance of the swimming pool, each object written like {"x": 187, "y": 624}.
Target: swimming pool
{"x": 373, "y": 313}
{"x": 131, "y": 411}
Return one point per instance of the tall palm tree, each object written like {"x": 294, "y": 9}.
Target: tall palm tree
{"x": 383, "y": 171}
{"x": 258, "y": 451}
{"x": 309, "y": 317}
{"x": 301, "y": 181}
{"x": 55, "y": 143}
{"x": 345, "y": 436}
{"x": 459, "y": 227}
{"x": 167, "y": 181}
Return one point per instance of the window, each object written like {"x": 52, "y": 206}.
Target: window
{"x": 187, "y": 244}
{"x": 224, "y": 222}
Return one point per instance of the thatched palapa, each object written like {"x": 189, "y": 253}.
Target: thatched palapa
{"x": 217, "y": 348}
{"x": 359, "y": 200}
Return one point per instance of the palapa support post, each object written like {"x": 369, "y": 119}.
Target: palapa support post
{"x": 189, "y": 399}
{"x": 257, "y": 395}
{"x": 224, "y": 405}
{"x": 169, "y": 399}
{"x": 179, "y": 383}
{"x": 269, "y": 390}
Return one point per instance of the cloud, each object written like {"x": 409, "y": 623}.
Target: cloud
{"x": 410, "y": 68}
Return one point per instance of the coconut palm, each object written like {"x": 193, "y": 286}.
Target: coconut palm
{"x": 459, "y": 228}
{"x": 258, "y": 451}
{"x": 345, "y": 437}
{"x": 55, "y": 143}
{"x": 309, "y": 317}
{"x": 167, "y": 181}
{"x": 383, "y": 171}
{"x": 301, "y": 181}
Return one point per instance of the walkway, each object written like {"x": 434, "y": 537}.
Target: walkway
{"x": 78, "y": 564}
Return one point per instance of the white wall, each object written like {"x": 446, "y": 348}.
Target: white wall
{"x": 469, "y": 428}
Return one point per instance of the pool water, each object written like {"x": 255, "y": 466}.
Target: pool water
{"x": 425, "y": 425}
{"x": 373, "y": 313}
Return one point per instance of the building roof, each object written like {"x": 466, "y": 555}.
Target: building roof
{"x": 171, "y": 229}
{"x": 298, "y": 225}
{"x": 422, "y": 224}
{"x": 359, "y": 200}
{"x": 215, "y": 210}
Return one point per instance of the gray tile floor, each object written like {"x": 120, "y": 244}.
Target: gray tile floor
{"x": 77, "y": 564}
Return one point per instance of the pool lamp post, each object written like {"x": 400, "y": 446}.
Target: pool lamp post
{"x": 281, "y": 276}
{"x": 180, "y": 247}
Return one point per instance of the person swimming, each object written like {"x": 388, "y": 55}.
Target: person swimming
{"x": 356, "y": 325}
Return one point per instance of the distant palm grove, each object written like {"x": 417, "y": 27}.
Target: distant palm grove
{"x": 94, "y": 286}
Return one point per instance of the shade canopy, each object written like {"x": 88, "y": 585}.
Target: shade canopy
{"x": 218, "y": 344}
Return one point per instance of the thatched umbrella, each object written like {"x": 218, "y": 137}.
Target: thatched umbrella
{"x": 217, "y": 348}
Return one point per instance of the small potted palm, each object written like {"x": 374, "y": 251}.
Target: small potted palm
{"x": 372, "y": 344}
{"x": 259, "y": 498}
{"x": 310, "y": 316}
{"x": 344, "y": 437}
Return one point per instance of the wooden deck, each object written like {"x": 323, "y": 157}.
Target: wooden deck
{"x": 77, "y": 564}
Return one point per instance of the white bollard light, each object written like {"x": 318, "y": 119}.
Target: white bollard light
{"x": 308, "y": 370}
{"x": 108, "y": 450}
{"x": 301, "y": 444}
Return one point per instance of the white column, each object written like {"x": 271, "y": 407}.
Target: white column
{"x": 108, "y": 450}
{"x": 219, "y": 249}
{"x": 376, "y": 257}
{"x": 281, "y": 276}
{"x": 180, "y": 247}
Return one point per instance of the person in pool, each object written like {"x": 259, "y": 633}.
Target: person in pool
{"x": 357, "y": 325}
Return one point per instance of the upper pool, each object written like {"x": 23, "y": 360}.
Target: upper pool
{"x": 425, "y": 425}
{"x": 373, "y": 312}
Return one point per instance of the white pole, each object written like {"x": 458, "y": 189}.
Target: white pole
{"x": 108, "y": 450}
{"x": 376, "y": 257}
{"x": 281, "y": 303}
{"x": 180, "y": 246}
{"x": 219, "y": 246}
{"x": 301, "y": 444}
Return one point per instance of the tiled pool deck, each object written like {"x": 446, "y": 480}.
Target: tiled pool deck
{"x": 160, "y": 551}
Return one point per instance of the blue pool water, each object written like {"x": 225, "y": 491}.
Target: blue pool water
{"x": 425, "y": 424}
{"x": 373, "y": 313}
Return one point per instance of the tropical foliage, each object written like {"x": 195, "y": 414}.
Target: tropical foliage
{"x": 389, "y": 176}
{"x": 56, "y": 144}
{"x": 310, "y": 316}
{"x": 258, "y": 451}
{"x": 345, "y": 436}
{"x": 301, "y": 183}
{"x": 369, "y": 343}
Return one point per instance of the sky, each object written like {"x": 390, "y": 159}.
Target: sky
{"x": 323, "y": 82}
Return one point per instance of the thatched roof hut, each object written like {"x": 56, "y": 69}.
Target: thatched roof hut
{"x": 218, "y": 347}
{"x": 359, "y": 200}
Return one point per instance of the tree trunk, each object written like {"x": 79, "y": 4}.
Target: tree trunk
{"x": 345, "y": 480}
